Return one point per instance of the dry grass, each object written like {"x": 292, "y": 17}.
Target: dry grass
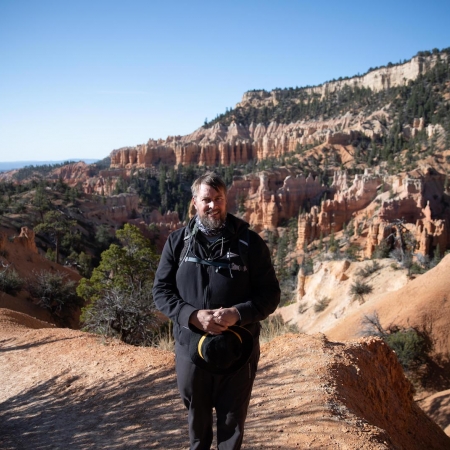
{"x": 275, "y": 326}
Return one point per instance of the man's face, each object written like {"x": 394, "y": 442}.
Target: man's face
{"x": 211, "y": 206}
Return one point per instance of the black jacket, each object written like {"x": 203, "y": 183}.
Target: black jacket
{"x": 179, "y": 290}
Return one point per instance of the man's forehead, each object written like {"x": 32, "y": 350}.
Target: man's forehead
{"x": 206, "y": 191}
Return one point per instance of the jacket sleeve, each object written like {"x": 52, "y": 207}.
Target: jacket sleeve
{"x": 265, "y": 289}
{"x": 165, "y": 292}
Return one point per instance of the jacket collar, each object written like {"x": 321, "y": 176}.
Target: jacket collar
{"x": 233, "y": 225}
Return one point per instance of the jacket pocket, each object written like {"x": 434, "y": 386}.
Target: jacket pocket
{"x": 184, "y": 336}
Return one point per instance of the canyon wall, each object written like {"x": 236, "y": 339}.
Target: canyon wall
{"x": 419, "y": 206}
{"x": 116, "y": 208}
{"x": 157, "y": 227}
{"x": 72, "y": 173}
{"x": 385, "y": 206}
{"x": 333, "y": 214}
{"x": 105, "y": 182}
{"x": 376, "y": 80}
{"x": 237, "y": 144}
{"x": 269, "y": 198}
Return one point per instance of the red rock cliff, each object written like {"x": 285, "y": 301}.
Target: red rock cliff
{"x": 269, "y": 197}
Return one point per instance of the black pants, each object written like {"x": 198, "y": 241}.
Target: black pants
{"x": 202, "y": 391}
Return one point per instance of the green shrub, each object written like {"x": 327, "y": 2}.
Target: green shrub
{"x": 10, "y": 281}
{"x": 287, "y": 287}
{"x": 416, "y": 269}
{"x": 351, "y": 252}
{"x": 359, "y": 289}
{"x": 129, "y": 315}
{"x": 85, "y": 264}
{"x": 82, "y": 262}
{"x": 307, "y": 265}
{"x": 302, "y": 307}
{"x": 18, "y": 208}
{"x": 50, "y": 255}
{"x": 411, "y": 348}
{"x": 321, "y": 304}
{"x": 381, "y": 250}
{"x": 54, "y": 291}
{"x": 368, "y": 269}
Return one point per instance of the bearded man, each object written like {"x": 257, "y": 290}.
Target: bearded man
{"x": 216, "y": 282}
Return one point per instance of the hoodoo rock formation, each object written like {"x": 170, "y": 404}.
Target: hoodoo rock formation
{"x": 418, "y": 207}
{"x": 117, "y": 208}
{"x": 157, "y": 227}
{"x": 105, "y": 182}
{"x": 73, "y": 173}
{"x": 26, "y": 239}
{"x": 238, "y": 144}
{"x": 267, "y": 198}
{"x": 387, "y": 206}
{"x": 333, "y": 214}
{"x": 213, "y": 146}
{"x": 427, "y": 233}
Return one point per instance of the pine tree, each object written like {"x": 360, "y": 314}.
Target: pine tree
{"x": 58, "y": 225}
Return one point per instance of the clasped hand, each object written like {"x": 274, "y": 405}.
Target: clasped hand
{"x": 214, "y": 321}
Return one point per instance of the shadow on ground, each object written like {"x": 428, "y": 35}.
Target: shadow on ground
{"x": 137, "y": 412}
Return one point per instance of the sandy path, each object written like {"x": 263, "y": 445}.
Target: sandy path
{"x": 68, "y": 389}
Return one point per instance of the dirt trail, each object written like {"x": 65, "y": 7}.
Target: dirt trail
{"x": 68, "y": 389}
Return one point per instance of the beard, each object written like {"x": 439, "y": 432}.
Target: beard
{"x": 212, "y": 223}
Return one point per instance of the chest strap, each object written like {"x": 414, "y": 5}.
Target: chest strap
{"x": 217, "y": 264}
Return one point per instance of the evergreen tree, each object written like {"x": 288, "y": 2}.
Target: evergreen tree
{"x": 119, "y": 290}
{"x": 57, "y": 225}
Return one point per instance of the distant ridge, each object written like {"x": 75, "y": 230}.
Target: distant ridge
{"x": 11, "y": 165}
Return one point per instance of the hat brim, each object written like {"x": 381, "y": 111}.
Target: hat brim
{"x": 247, "y": 348}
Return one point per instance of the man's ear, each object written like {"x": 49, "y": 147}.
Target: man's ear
{"x": 193, "y": 203}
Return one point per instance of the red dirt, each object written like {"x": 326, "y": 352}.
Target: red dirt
{"x": 63, "y": 388}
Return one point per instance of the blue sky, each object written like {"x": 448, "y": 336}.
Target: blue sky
{"x": 79, "y": 79}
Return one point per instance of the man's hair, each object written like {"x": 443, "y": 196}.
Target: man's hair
{"x": 210, "y": 179}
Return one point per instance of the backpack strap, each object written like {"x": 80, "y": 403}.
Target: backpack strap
{"x": 243, "y": 243}
{"x": 187, "y": 243}
{"x": 217, "y": 264}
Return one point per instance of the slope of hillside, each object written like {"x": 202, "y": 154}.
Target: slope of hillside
{"x": 423, "y": 303}
{"x": 332, "y": 281}
{"x": 437, "y": 407}
{"x": 68, "y": 389}
{"x": 18, "y": 252}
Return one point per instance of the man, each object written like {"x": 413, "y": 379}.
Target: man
{"x": 216, "y": 282}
